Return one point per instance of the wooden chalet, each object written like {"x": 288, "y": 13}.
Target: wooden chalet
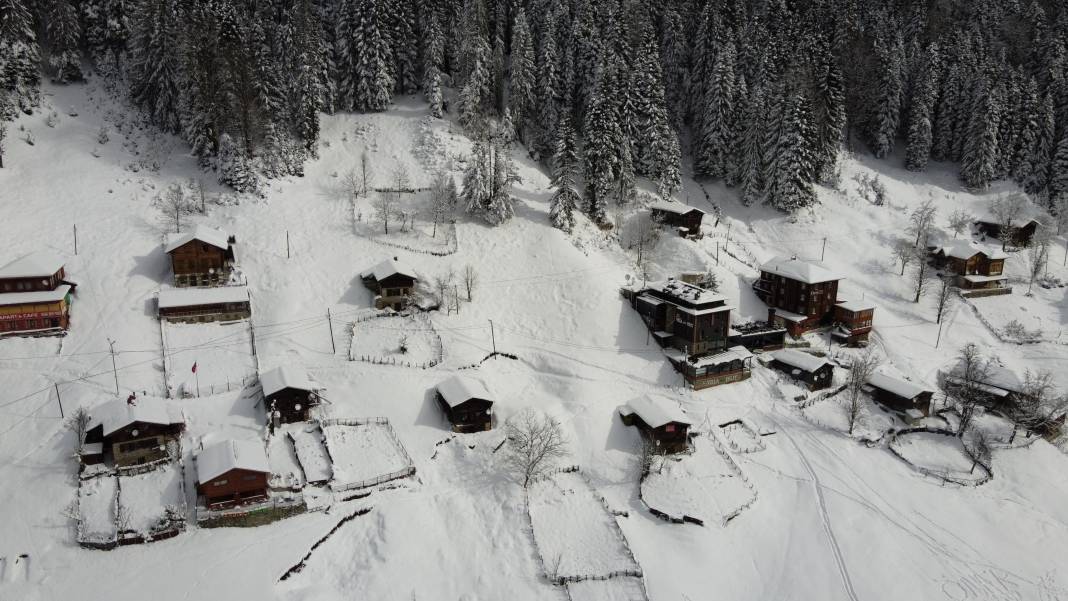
{"x": 800, "y": 295}
{"x": 391, "y": 282}
{"x": 288, "y": 395}
{"x": 132, "y": 431}
{"x": 1022, "y": 231}
{"x": 35, "y": 297}
{"x": 232, "y": 472}
{"x": 899, "y": 394}
{"x": 852, "y": 322}
{"x": 202, "y": 257}
{"x": 467, "y": 404}
{"x": 685, "y": 219}
{"x": 661, "y": 420}
{"x": 192, "y": 305}
{"x": 816, "y": 373}
{"x": 978, "y": 270}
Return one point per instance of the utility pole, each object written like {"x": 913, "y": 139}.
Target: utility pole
{"x": 114, "y": 369}
{"x": 287, "y": 245}
{"x": 939, "y": 339}
{"x": 330, "y": 323}
{"x": 728, "y": 242}
{"x": 717, "y": 252}
{"x": 823, "y": 250}
{"x": 75, "y": 238}
{"x": 493, "y": 337}
{"x": 59, "y": 399}
{"x": 178, "y": 219}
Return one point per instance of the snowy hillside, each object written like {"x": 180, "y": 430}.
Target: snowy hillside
{"x": 832, "y": 518}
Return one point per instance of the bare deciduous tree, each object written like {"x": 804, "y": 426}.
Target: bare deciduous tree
{"x": 3, "y": 135}
{"x": 470, "y": 277}
{"x": 174, "y": 204}
{"x": 959, "y": 221}
{"x": 352, "y": 184}
{"x": 921, "y": 272}
{"x": 861, "y": 368}
{"x": 920, "y": 221}
{"x": 442, "y": 199}
{"x": 443, "y": 284}
{"x": 963, "y": 386}
{"x": 1040, "y": 405}
{"x": 535, "y": 442}
{"x": 366, "y": 173}
{"x": 945, "y": 299}
{"x": 385, "y": 203}
{"x": 79, "y": 424}
{"x": 904, "y": 253}
{"x": 1007, "y": 210}
{"x": 978, "y": 446}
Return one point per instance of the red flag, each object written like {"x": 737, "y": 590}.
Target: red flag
{"x": 194, "y": 367}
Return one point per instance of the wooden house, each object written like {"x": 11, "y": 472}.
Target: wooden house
{"x": 466, "y": 403}
{"x": 758, "y": 336}
{"x": 802, "y": 294}
{"x": 714, "y": 369}
{"x": 191, "y": 305}
{"x": 685, "y": 317}
{"x": 660, "y": 419}
{"x": 35, "y": 297}
{"x": 852, "y": 322}
{"x": 978, "y": 270}
{"x": 685, "y": 219}
{"x": 391, "y": 282}
{"x": 232, "y": 472}
{"x": 288, "y": 395}
{"x": 134, "y": 431}
{"x": 899, "y": 394}
{"x": 816, "y": 373}
{"x": 1023, "y": 230}
{"x": 1000, "y": 386}
{"x": 202, "y": 257}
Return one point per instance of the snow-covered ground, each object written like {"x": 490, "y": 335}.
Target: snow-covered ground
{"x": 834, "y": 520}
{"x": 363, "y": 454}
{"x": 407, "y": 341}
{"x": 940, "y": 454}
{"x": 96, "y": 509}
{"x": 147, "y": 498}
{"x": 311, "y": 453}
{"x": 286, "y": 471}
{"x": 222, "y": 353}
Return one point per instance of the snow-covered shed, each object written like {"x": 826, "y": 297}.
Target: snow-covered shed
{"x": 203, "y": 256}
{"x": 816, "y": 372}
{"x": 134, "y": 430}
{"x": 221, "y": 303}
{"x": 231, "y": 472}
{"x": 685, "y": 218}
{"x": 467, "y": 403}
{"x": 660, "y": 419}
{"x": 289, "y": 392}
{"x": 899, "y": 394}
{"x": 392, "y": 282}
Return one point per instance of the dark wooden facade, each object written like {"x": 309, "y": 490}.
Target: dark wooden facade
{"x": 758, "y": 336}
{"x": 199, "y": 263}
{"x": 232, "y": 311}
{"x": 32, "y": 284}
{"x": 393, "y": 291}
{"x": 137, "y": 442}
{"x": 854, "y": 324}
{"x": 1021, "y": 235}
{"x": 32, "y": 303}
{"x": 31, "y": 318}
{"x": 235, "y": 487}
{"x": 921, "y": 401}
{"x": 685, "y": 217}
{"x": 473, "y": 415}
{"x": 815, "y": 302}
{"x": 292, "y": 404}
{"x": 672, "y": 437}
{"x": 683, "y": 320}
{"x": 817, "y": 379}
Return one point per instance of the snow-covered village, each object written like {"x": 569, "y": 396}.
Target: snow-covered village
{"x": 587, "y": 300}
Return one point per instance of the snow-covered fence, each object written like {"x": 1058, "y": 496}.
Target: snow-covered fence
{"x": 407, "y": 470}
{"x": 299, "y": 566}
{"x": 1000, "y": 334}
{"x": 437, "y": 353}
{"x": 293, "y": 501}
{"x": 944, "y": 477}
{"x": 738, "y": 473}
{"x": 822, "y": 396}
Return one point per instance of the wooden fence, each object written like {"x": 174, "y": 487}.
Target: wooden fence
{"x": 404, "y": 472}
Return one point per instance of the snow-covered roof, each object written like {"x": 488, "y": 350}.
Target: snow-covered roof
{"x": 207, "y": 235}
{"x": 117, "y": 414}
{"x": 284, "y": 377}
{"x": 732, "y": 354}
{"x": 983, "y": 279}
{"x": 41, "y": 296}
{"x": 686, "y": 291}
{"x": 671, "y": 206}
{"x": 966, "y": 249}
{"x": 223, "y": 456}
{"x": 855, "y": 306}
{"x": 655, "y": 410}
{"x": 790, "y": 315}
{"x": 895, "y": 385}
{"x": 800, "y": 360}
{"x": 42, "y": 263}
{"x": 193, "y": 297}
{"x": 460, "y": 389}
{"x": 389, "y": 267}
{"x": 802, "y": 271}
{"x": 998, "y": 377}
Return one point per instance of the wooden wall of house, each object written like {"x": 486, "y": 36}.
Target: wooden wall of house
{"x": 196, "y": 257}
{"x": 814, "y": 300}
{"x": 34, "y": 316}
{"x": 285, "y": 401}
{"x": 32, "y": 284}
{"x": 233, "y": 486}
{"x": 469, "y": 416}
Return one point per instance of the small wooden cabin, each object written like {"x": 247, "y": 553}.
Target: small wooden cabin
{"x": 1022, "y": 233}
{"x": 35, "y": 298}
{"x": 976, "y": 267}
{"x": 661, "y": 420}
{"x": 191, "y": 305}
{"x": 391, "y": 282}
{"x": 853, "y": 321}
{"x": 288, "y": 393}
{"x": 232, "y": 472}
{"x": 732, "y": 365}
{"x": 684, "y": 218}
{"x": 815, "y": 372}
{"x": 202, "y": 257}
{"x": 803, "y": 294}
{"x": 467, "y": 404}
{"x": 133, "y": 431}
{"x": 898, "y": 394}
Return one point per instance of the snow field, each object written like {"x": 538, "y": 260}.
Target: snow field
{"x": 96, "y": 509}
{"x": 417, "y": 234}
{"x": 833, "y": 413}
{"x": 311, "y": 452}
{"x": 222, "y": 352}
{"x": 380, "y": 340}
{"x": 286, "y": 471}
{"x": 146, "y": 498}
{"x": 939, "y": 454}
{"x": 698, "y": 485}
{"x": 364, "y": 454}
{"x": 625, "y": 588}
{"x": 740, "y": 437}
{"x": 577, "y": 538}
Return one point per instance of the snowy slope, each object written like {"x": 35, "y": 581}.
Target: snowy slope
{"x": 832, "y": 520}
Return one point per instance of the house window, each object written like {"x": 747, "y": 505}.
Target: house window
{"x": 669, "y": 428}
{"x": 219, "y": 483}
{"x": 249, "y": 478}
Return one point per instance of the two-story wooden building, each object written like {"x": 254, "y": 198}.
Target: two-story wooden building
{"x": 685, "y": 219}
{"x": 134, "y": 431}
{"x": 35, "y": 297}
{"x": 288, "y": 394}
{"x": 201, "y": 257}
{"x": 192, "y": 305}
{"x": 852, "y": 322}
{"x": 660, "y": 419}
{"x": 815, "y": 372}
{"x": 391, "y": 282}
{"x": 231, "y": 473}
{"x": 467, "y": 404}
{"x": 977, "y": 269}
{"x": 899, "y": 394}
{"x": 800, "y": 295}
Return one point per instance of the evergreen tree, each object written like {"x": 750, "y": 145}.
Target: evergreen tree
{"x": 403, "y": 46}
{"x": 830, "y": 115}
{"x": 565, "y": 199}
{"x": 750, "y": 148}
{"x": 156, "y": 72}
{"x": 64, "y": 35}
{"x": 921, "y": 115}
{"x": 19, "y": 55}
{"x": 548, "y": 87}
{"x": 1041, "y": 154}
{"x": 790, "y": 187}
{"x": 234, "y": 167}
{"x": 979, "y": 160}
{"x": 601, "y": 148}
{"x": 521, "y": 95}
{"x": 712, "y": 146}
{"x": 890, "y": 93}
{"x": 1027, "y": 121}
{"x": 1058, "y": 181}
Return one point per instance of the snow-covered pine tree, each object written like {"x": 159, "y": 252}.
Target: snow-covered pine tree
{"x": 654, "y": 143}
{"x": 434, "y": 95}
{"x": 1041, "y": 153}
{"x": 64, "y": 33}
{"x": 886, "y": 116}
{"x": 1058, "y": 180}
{"x": 371, "y": 58}
{"x": 921, "y": 114}
{"x": 476, "y": 93}
{"x": 749, "y": 146}
{"x": 1027, "y": 121}
{"x": 623, "y": 188}
{"x": 433, "y": 54}
{"x": 476, "y": 185}
{"x": 521, "y": 93}
{"x": 156, "y": 76}
{"x": 19, "y": 55}
{"x": 947, "y": 114}
{"x": 674, "y": 56}
{"x": 403, "y": 45}
{"x": 602, "y": 144}
{"x": 790, "y": 187}
{"x": 548, "y": 86}
{"x": 500, "y": 205}
{"x": 565, "y": 199}
{"x": 830, "y": 114}
{"x": 979, "y": 160}
{"x": 234, "y": 167}
{"x": 712, "y": 143}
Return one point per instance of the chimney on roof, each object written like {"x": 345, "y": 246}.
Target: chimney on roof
{"x": 771, "y": 316}
{"x": 394, "y": 258}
